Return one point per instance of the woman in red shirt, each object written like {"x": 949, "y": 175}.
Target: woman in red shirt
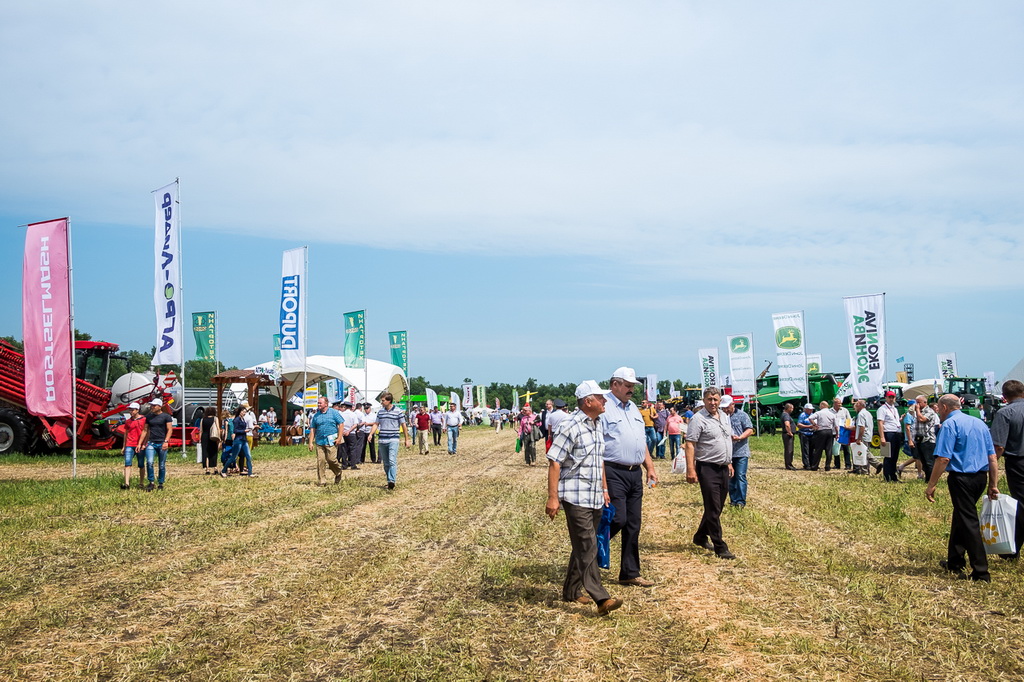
{"x": 132, "y": 431}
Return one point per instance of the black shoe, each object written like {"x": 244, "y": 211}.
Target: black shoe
{"x": 958, "y": 573}
{"x": 337, "y": 479}
{"x": 1010, "y": 557}
{"x": 391, "y": 485}
{"x": 125, "y": 486}
{"x": 791, "y": 468}
{"x": 981, "y": 578}
{"x": 150, "y": 488}
{"x": 160, "y": 487}
{"x": 725, "y": 555}
{"x": 704, "y": 544}
{"x": 354, "y": 467}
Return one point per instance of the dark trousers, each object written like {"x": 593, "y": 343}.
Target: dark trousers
{"x": 895, "y": 440}
{"x": 821, "y": 442}
{"x": 714, "y": 486}
{"x": 965, "y": 530}
{"x": 1015, "y": 480}
{"x": 583, "y": 572}
{"x": 847, "y": 456}
{"x": 368, "y": 444}
{"x": 435, "y": 431}
{"x": 787, "y": 449}
{"x": 805, "y": 448}
{"x": 626, "y": 490}
{"x": 348, "y": 453}
{"x": 210, "y": 453}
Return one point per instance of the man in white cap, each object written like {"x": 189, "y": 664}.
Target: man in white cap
{"x": 709, "y": 461}
{"x": 154, "y": 437}
{"x": 576, "y": 482}
{"x": 133, "y": 426}
{"x": 625, "y": 453}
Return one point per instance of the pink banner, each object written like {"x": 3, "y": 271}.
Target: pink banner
{"x": 46, "y": 320}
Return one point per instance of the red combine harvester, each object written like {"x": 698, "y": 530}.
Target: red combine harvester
{"x": 21, "y": 431}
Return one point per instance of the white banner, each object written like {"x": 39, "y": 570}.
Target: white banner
{"x": 515, "y": 401}
{"x": 167, "y": 289}
{"x": 709, "y": 370}
{"x": 467, "y": 395}
{"x": 990, "y": 382}
{"x": 845, "y": 388}
{"x": 673, "y": 393}
{"x": 455, "y": 399}
{"x": 741, "y": 364}
{"x": 431, "y": 398}
{"x": 814, "y": 363}
{"x": 789, "y": 353}
{"x": 947, "y": 365}
{"x": 865, "y": 324}
{"x": 652, "y": 387}
{"x": 292, "y": 314}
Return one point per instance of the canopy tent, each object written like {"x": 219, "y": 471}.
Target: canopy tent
{"x": 1016, "y": 373}
{"x": 923, "y": 387}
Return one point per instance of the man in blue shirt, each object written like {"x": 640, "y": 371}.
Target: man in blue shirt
{"x": 326, "y": 430}
{"x": 742, "y": 429}
{"x": 964, "y": 447}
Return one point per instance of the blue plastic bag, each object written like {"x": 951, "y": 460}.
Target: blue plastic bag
{"x": 604, "y": 537}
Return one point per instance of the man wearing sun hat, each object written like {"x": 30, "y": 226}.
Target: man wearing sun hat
{"x": 132, "y": 433}
{"x": 577, "y": 483}
{"x": 625, "y": 454}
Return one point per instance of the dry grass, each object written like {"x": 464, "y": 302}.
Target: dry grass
{"x": 457, "y": 575}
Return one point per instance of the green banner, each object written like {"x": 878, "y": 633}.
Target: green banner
{"x": 399, "y": 342}
{"x": 355, "y": 339}
{"x": 277, "y": 355}
{"x": 204, "y": 326}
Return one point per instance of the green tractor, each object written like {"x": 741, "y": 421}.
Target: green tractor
{"x": 977, "y": 401}
{"x": 770, "y": 403}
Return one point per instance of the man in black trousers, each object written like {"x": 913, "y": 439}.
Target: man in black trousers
{"x": 709, "y": 462}
{"x": 1008, "y": 439}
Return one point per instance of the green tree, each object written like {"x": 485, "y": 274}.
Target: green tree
{"x": 15, "y": 343}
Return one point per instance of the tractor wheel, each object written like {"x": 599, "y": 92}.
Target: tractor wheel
{"x": 13, "y": 432}
{"x": 876, "y": 441}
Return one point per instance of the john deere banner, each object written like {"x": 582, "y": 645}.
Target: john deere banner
{"x": 710, "y": 374}
{"x": 399, "y": 342}
{"x": 947, "y": 365}
{"x": 467, "y": 395}
{"x": 652, "y": 387}
{"x": 292, "y": 318}
{"x": 865, "y": 322}
{"x": 355, "y": 339}
{"x": 204, "y": 327}
{"x": 46, "y": 320}
{"x": 789, "y": 352}
{"x": 741, "y": 364}
{"x": 814, "y": 363}
{"x": 167, "y": 289}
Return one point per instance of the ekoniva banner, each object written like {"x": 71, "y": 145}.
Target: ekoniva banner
{"x": 814, "y": 363}
{"x": 431, "y": 398}
{"x": 947, "y": 365}
{"x": 355, "y": 339}
{"x": 167, "y": 289}
{"x": 709, "y": 373}
{"x": 46, "y": 320}
{"x": 481, "y": 395}
{"x": 204, "y": 327}
{"x": 292, "y": 317}
{"x": 467, "y": 395}
{"x": 789, "y": 352}
{"x": 399, "y": 342}
{"x": 651, "y": 387}
{"x": 741, "y": 364}
{"x": 865, "y": 323}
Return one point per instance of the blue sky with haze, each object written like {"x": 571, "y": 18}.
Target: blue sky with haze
{"x": 554, "y": 189}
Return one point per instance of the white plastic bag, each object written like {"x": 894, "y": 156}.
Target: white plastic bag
{"x": 679, "y": 464}
{"x": 998, "y": 524}
{"x": 860, "y": 454}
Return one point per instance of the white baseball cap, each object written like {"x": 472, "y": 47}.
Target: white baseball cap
{"x": 626, "y": 374}
{"x": 157, "y": 402}
{"x": 726, "y": 401}
{"x": 589, "y": 387}
{"x": 134, "y": 406}
{"x": 808, "y": 406}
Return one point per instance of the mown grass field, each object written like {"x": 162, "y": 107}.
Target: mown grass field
{"x": 457, "y": 574}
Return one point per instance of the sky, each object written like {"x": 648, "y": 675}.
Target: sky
{"x": 533, "y": 188}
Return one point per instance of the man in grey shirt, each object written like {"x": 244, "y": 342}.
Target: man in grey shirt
{"x": 1008, "y": 437}
{"x": 709, "y": 462}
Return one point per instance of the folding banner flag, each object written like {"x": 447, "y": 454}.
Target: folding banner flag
{"x": 167, "y": 289}
{"x": 455, "y": 399}
{"x": 813, "y": 363}
{"x": 789, "y": 352}
{"x": 467, "y": 395}
{"x": 431, "y": 398}
{"x": 515, "y": 401}
{"x": 277, "y": 356}
{"x": 947, "y": 365}
{"x": 204, "y": 327}
{"x": 708, "y": 367}
{"x": 292, "y": 321}
{"x": 651, "y": 386}
{"x": 355, "y": 339}
{"x": 46, "y": 320}
{"x": 399, "y": 342}
{"x": 741, "y": 364}
{"x": 481, "y": 395}
{"x": 865, "y": 322}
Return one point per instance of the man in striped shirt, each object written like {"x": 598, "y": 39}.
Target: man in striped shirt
{"x": 576, "y": 482}
{"x": 390, "y": 422}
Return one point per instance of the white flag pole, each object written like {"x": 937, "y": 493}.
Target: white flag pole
{"x": 74, "y": 380}
{"x": 181, "y": 291}
{"x": 305, "y": 351}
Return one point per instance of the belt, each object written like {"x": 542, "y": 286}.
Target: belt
{"x": 623, "y": 467}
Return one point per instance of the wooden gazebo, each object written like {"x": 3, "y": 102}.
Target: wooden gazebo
{"x": 254, "y": 381}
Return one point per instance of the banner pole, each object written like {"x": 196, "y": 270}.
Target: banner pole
{"x": 74, "y": 381}
{"x": 305, "y": 351}
{"x": 181, "y": 292}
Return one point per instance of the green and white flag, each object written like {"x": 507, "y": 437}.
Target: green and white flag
{"x": 355, "y": 339}
{"x": 865, "y": 322}
{"x": 399, "y": 342}
{"x": 789, "y": 351}
{"x": 277, "y": 356}
{"x": 741, "y": 364}
{"x": 947, "y": 365}
{"x": 709, "y": 374}
{"x": 814, "y": 363}
{"x": 204, "y": 326}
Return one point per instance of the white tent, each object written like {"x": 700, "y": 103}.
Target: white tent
{"x": 1016, "y": 373}
{"x": 377, "y": 378}
{"x": 922, "y": 387}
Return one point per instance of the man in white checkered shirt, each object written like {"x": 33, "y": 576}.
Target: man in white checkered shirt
{"x": 576, "y": 483}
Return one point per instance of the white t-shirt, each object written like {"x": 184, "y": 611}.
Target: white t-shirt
{"x": 865, "y": 422}
{"x": 890, "y": 418}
